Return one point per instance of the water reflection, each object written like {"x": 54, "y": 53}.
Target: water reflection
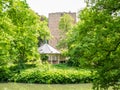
{"x": 19, "y": 86}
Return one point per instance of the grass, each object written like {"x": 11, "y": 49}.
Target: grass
{"x": 67, "y": 68}
{"x": 62, "y": 66}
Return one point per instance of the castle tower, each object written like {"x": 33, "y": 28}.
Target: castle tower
{"x": 53, "y": 25}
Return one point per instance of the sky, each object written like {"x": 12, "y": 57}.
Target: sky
{"x": 44, "y": 7}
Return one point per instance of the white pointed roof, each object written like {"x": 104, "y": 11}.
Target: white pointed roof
{"x": 47, "y": 49}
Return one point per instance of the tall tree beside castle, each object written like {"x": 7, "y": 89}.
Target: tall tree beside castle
{"x": 53, "y": 25}
{"x": 65, "y": 24}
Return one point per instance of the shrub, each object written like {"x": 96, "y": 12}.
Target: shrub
{"x": 4, "y": 74}
{"x": 44, "y": 57}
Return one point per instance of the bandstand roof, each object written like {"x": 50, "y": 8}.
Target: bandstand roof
{"x": 47, "y": 49}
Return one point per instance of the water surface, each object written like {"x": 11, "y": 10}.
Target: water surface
{"x": 23, "y": 86}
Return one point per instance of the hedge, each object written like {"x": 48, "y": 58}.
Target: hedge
{"x": 52, "y": 76}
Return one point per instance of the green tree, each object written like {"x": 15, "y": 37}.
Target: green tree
{"x": 20, "y": 29}
{"x": 43, "y": 18}
{"x": 95, "y": 42}
{"x": 65, "y": 24}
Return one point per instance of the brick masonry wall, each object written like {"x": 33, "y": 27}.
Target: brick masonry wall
{"x": 53, "y": 24}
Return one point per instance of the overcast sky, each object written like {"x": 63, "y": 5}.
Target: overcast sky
{"x": 43, "y": 7}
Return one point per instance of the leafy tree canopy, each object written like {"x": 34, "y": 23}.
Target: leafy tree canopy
{"x": 95, "y": 42}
